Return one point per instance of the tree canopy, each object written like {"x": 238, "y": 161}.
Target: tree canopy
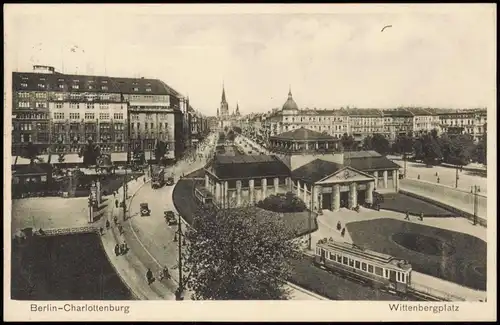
{"x": 347, "y": 142}
{"x": 239, "y": 254}
{"x": 90, "y": 153}
{"x": 377, "y": 142}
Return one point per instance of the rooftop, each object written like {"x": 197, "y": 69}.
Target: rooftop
{"x": 316, "y": 170}
{"x": 59, "y": 82}
{"x": 302, "y": 134}
{"x": 248, "y": 166}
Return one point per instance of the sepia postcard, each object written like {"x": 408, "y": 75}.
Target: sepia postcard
{"x": 238, "y": 162}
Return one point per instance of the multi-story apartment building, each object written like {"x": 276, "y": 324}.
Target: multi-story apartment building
{"x": 364, "y": 122}
{"x": 471, "y": 122}
{"x": 59, "y": 113}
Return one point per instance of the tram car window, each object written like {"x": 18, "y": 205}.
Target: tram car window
{"x": 368, "y": 266}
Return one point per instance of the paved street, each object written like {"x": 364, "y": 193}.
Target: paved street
{"x": 447, "y": 175}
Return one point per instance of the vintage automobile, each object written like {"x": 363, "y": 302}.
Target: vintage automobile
{"x": 170, "y": 218}
{"x": 145, "y": 211}
{"x": 170, "y": 181}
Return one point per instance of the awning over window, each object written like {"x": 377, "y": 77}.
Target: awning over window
{"x": 118, "y": 156}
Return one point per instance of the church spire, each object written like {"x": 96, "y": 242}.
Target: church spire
{"x": 223, "y": 93}
{"x": 289, "y": 92}
{"x": 237, "y": 109}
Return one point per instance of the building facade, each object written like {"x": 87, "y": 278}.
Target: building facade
{"x": 59, "y": 113}
{"x": 472, "y": 122}
{"x": 363, "y": 122}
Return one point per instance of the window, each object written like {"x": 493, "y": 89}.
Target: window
{"x": 24, "y": 85}
{"x": 104, "y": 116}
{"x": 41, "y": 105}
{"x": 332, "y": 256}
{"x": 58, "y": 116}
{"x": 378, "y": 271}
{"x": 61, "y": 86}
{"x": 148, "y": 90}
{"x": 104, "y": 81}
{"x": 75, "y": 86}
{"x": 74, "y": 116}
{"x": 344, "y": 260}
{"x": 104, "y": 106}
{"x": 59, "y": 105}
{"x": 90, "y": 106}
{"x": 363, "y": 266}
{"x": 370, "y": 268}
{"x": 118, "y": 116}
{"x": 74, "y": 105}
{"x": 89, "y": 116}
{"x": 386, "y": 273}
{"x": 136, "y": 89}
{"x": 104, "y": 87}
{"x": 403, "y": 277}
{"x": 76, "y": 80}
{"x": 24, "y": 104}
{"x": 41, "y": 86}
{"x": 91, "y": 87}
{"x": 398, "y": 276}
{"x": 351, "y": 262}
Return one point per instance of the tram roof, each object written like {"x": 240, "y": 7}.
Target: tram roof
{"x": 365, "y": 253}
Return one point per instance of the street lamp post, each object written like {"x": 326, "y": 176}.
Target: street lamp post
{"x": 456, "y": 178}
{"x": 475, "y": 202}
{"x": 181, "y": 241}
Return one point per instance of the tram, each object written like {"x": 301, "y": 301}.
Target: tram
{"x": 380, "y": 270}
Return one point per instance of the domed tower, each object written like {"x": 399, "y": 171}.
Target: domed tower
{"x": 290, "y": 107}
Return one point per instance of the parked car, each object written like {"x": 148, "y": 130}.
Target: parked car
{"x": 170, "y": 218}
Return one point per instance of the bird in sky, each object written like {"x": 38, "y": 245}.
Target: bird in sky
{"x": 385, "y": 27}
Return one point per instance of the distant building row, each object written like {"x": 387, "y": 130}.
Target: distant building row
{"x": 363, "y": 122}
{"x": 58, "y": 113}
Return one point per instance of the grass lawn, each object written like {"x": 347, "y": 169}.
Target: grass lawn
{"x": 401, "y": 203}
{"x": 331, "y": 286}
{"x": 464, "y": 264}
{"x": 301, "y": 223}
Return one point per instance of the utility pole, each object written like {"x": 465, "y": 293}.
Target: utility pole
{"x": 456, "y": 178}
{"x": 181, "y": 241}
{"x": 475, "y": 189}
{"x": 404, "y": 160}
{"x": 309, "y": 241}
{"x": 125, "y": 194}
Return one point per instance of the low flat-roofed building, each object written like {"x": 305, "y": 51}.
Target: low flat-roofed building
{"x": 236, "y": 181}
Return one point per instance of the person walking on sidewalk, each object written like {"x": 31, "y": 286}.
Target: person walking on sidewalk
{"x": 107, "y": 224}
{"x": 149, "y": 276}
{"x": 120, "y": 229}
{"x": 407, "y": 217}
{"x": 115, "y": 220}
{"x": 116, "y": 203}
{"x": 117, "y": 250}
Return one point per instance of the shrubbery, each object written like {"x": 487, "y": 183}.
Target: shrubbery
{"x": 288, "y": 202}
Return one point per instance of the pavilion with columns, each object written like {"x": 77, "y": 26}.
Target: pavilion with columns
{"x": 236, "y": 181}
{"x": 303, "y": 140}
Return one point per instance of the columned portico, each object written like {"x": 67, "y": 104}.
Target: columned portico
{"x": 264, "y": 187}
{"x": 207, "y": 181}
{"x": 251, "y": 186}
{"x": 238, "y": 192}
{"x": 395, "y": 179}
{"x": 369, "y": 193}
{"x": 375, "y": 174}
{"x": 385, "y": 179}
{"x": 353, "y": 196}
{"x": 336, "y": 197}
{"x": 276, "y": 185}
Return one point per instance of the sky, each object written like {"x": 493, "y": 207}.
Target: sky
{"x": 330, "y": 55}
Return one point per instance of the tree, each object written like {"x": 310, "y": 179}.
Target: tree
{"x": 90, "y": 153}
{"x": 404, "y": 144}
{"x": 376, "y": 142}
{"x": 457, "y": 149}
{"x": 160, "y": 150}
{"x": 239, "y": 254}
{"x": 347, "y": 142}
{"x": 431, "y": 149}
{"x": 31, "y": 152}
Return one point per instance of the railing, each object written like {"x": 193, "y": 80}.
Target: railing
{"x": 434, "y": 293}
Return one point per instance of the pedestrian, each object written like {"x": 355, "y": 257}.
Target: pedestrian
{"x": 343, "y": 232}
{"x": 115, "y": 220}
{"x": 107, "y": 224}
{"x": 421, "y": 216}
{"x": 125, "y": 247}
{"x": 407, "y": 217}
{"x": 116, "y": 203}
{"x": 101, "y": 230}
{"x": 418, "y": 177}
{"x": 438, "y": 180}
{"x": 122, "y": 248}
{"x": 117, "y": 249}
{"x": 114, "y": 194}
{"x": 120, "y": 229}
{"x": 149, "y": 276}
